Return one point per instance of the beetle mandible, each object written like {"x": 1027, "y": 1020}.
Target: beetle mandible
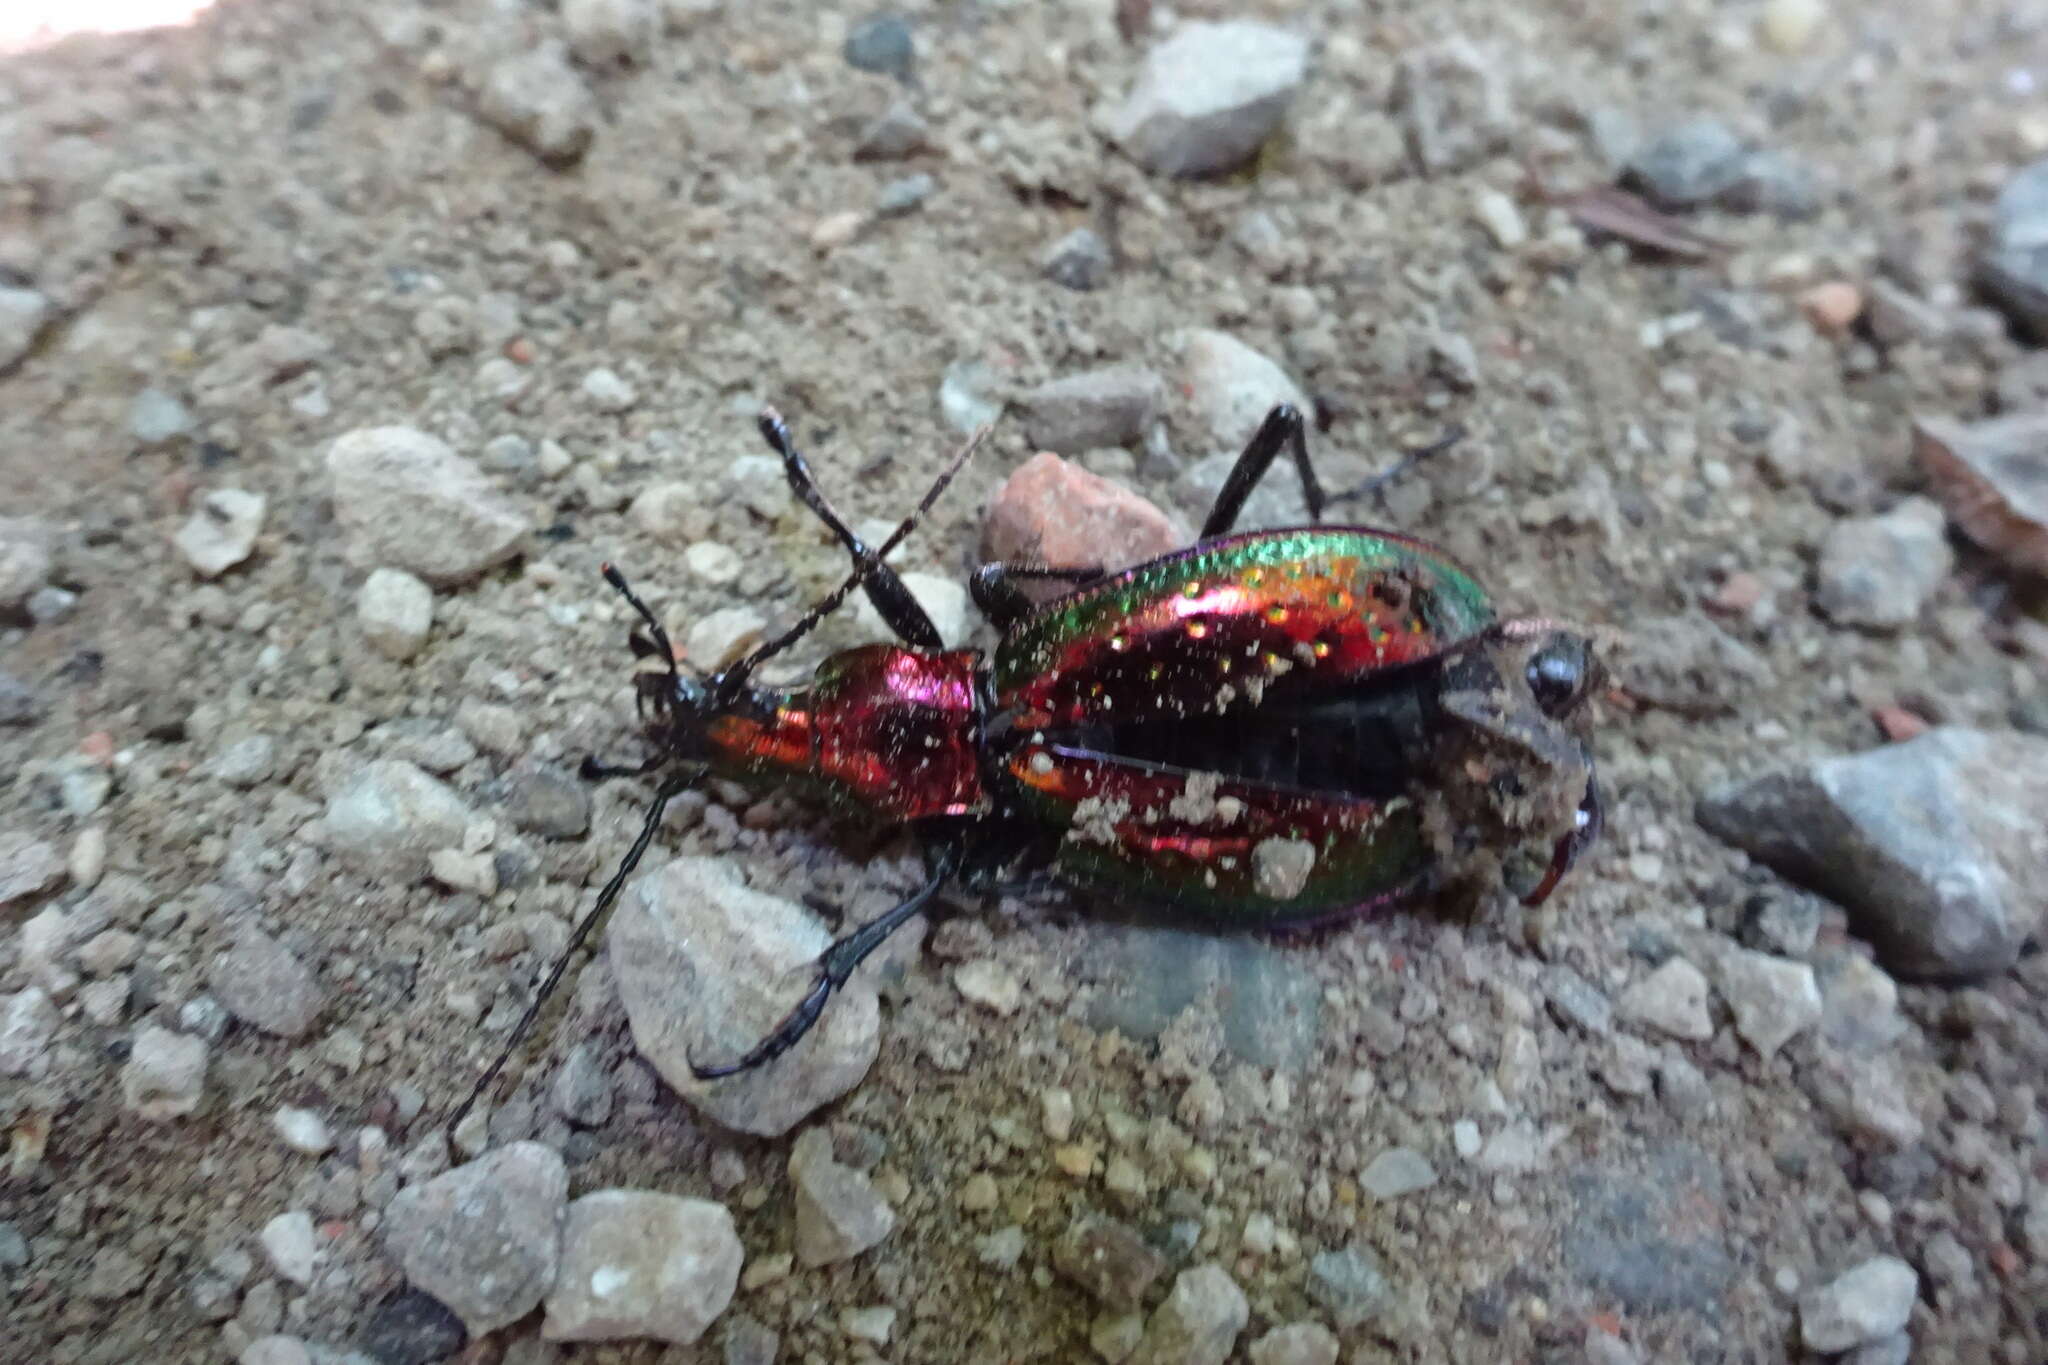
{"x": 1261, "y": 730}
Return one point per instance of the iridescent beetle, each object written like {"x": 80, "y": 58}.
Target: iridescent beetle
{"x": 1261, "y": 730}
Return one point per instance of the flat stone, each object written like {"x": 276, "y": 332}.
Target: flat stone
{"x": 1349, "y": 1285}
{"x": 707, "y": 967}
{"x": 1209, "y": 96}
{"x": 1080, "y": 412}
{"x": 1687, "y": 165}
{"x": 1577, "y": 1001}
{"x": 1866, "y": 1303}
{"x": 391, "y": 816}
{"x": 1651, "y": 1236}
{"x": 548, "y": 802}
{"x": 23, "y": 315}
{"x": 165, "y": 1075}
{"x": 882, "y": 43}
{"x": 28, "y": 868}
{"x": 484, "y": 1239}
{"x": 222, "y": 531}
{"x": 1081, "y": 260}
{"x": 1395, "y": 1172}
{"x": 1230, "y": 388}
{"x": 288, "y": 1243}
{"x": 1992, "y": 479}
{"x": 264, "y": 985}
{"x": 1199, "y": 1322}
{"x": 1774, "y": 999}
{"x": 839, "y": 1213}
{"x": 900, "y": 131}
{"x": 540, "y": 101}
{"x": 1926, "y": 843}
{"x": 640, "y": 1264}
{"x": 395, "y": 611}
{"x": 1270, "y": 1006}
{"x": 411, "y": 1328}
{"x": 1879, "y": 571}
{"x": 1671, "y": 1000}
{"x": 406, "y": 501}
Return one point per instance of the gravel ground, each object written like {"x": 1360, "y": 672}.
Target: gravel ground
{"x": 339, "y": 344}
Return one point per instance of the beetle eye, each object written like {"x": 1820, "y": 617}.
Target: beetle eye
{"x": 1558, "y": 674}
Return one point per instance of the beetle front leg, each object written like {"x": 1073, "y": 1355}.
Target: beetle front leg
{"x": 898, "y": 609}
{"x": 835, "y": 967}
{"x": 995, "y": 591}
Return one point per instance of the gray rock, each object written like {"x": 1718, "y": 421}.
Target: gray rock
{"x": 1774, "y": 999}
{"x": 395, "y": 611}
{"x": 1773, "y": 182}
{"x": 276, "y": 1349}
{"x": 28, "y": 868}
{"x": 640, "y": 1264}
{"x": 539, "y": 101}
{"x": 1651, "y": 1237}
{"x": 1230, "y": 388}
{"x": 1080, "y": 260}
{"x": 484, "y": 1239}
{"x": 1671, "y": 1000}
{"x": 165, "y": 1075}
{"x": 882, "y": 43}
{"x": 2014, "y": 267}
{"x": 25, "y": 552}
{"x": 582, "y": 1092}
{"x": 839, "y": 1214}
{"x": 1859, "y": 1004}
{"x": 607, "y": 31}
{"x": 1271, "y": 1007}
{"x": 411, "y": 1328}
{"x": 1879, "y": 571}
{"x": 23, "y": 315}
{"x": 1209, "y": 96}
{"x": 1864, "y": 1304}
{"x": 28, "y": 1021}
{"x": 1395, "y": 1172}
{"x": 1107, "y": 407}
{"x": 47, "y": 605}
{"x": 1688, "y": 164}
{"x": 1577, "y": 1001}
{"x": 906, "y": 195}
{"x": 156, "y": 417}
{"x": 1298, "y": 1343}
{"x": 1453, "y": 105}
{"x": 264, "y": 985}
{"x": 1001, "y": 1249}
{"x": 748, "y": 1341}
{"x": 900, "y": 132}
{"x": 288, "y": 1243}
{"x": 1785, "y": 923}
{"x": 1349, "y": 1284}
{"x": 1895, "y": 1349}
{"x": 406, "y": 501}
{"x": 19, "y": 705}
{"x": 545, "y": 801}
{"x": 707, "y": 967}
{"x": 391, "y": 815}
{"x": 1928, "y": 844}
{"x": 246, "y": 760}
{"x": 1108, "y": 1260}
{"x": 221, "y": 531}
{"x": 1198, "y": 1323}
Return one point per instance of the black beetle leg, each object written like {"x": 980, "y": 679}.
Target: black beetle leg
{"x": 835, "y": 967}
{"x": 592, "y": 769}
{"x": 1400, "y": 467}
{"x": 899, "y": 610}
{"x": 1002, "y": 603}
{"x": 1283, "y": 427}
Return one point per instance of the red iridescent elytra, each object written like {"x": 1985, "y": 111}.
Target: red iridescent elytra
{"x": 880, "y": 728}
{"x": 1234, "y": 623}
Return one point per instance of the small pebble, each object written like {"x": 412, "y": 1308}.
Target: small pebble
{"x": 1001, "y": 1249}
{"x": 1788, "y": 25}
{"x": 1081, "y": 260}
{"x": 165, "y": 1075}
{"x": 1298, "y": 1343}
{"x": 1832, "y": 307}
{"x": 839, "y": 1213}
{"x": 288, "y": 1242}
{"x": 720, "y": 638}
{"x": 899, "y": 197}
{"x": 1395, "y": 1172}
{"x": 881, "y": 43}
{"x": 222, "y": 531}
{"x": 1671, "y": 1000}
{"x": 1499, "y": 216}
{"x": 1864, "y": 1304}
{"x": 607, "y": 392}
{"x": 303, "y": 1130}
{"x": 869, "y": 1324}
{"x": 395, "y": 611}
{"x": 1774, "y": 999}
{"x": 990, "y": 984}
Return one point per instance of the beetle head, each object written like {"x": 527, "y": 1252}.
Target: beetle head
{"x": 1521, "y": 749}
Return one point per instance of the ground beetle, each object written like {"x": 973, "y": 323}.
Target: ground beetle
{"x": 1261, "y": 730}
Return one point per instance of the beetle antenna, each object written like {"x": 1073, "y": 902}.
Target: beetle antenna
{"x": 669, "y": 790}
{"x": 618, "y": 582}
{"x": 1401, "y": 467}
{"x": 733, "y": 681}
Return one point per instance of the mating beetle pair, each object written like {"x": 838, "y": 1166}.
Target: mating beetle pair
{"x": 1261, "y": 730}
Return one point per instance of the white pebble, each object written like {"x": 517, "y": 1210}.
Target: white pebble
{"x": 303, "y": 1131}
{"x": 288, "y": 1242}
{"x": 990, "y": 984}
{"x": 395, "y": 611}
{"x": 222, "y": 531}
{"x": 1499, "y": 216}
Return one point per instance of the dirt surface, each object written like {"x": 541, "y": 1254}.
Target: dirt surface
{"x": 1643, "y": 433}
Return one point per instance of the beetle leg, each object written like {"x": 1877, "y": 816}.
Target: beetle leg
{"x": 899, "y": 610}
{"x": 669, "y": 790}
{"x": 835, "y": 966}
{"x": 1401, "y": 466}
{"x": 1003, "y": 603}
{"x": 592, "y": 769}
{"x": 1283, "y": 427}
